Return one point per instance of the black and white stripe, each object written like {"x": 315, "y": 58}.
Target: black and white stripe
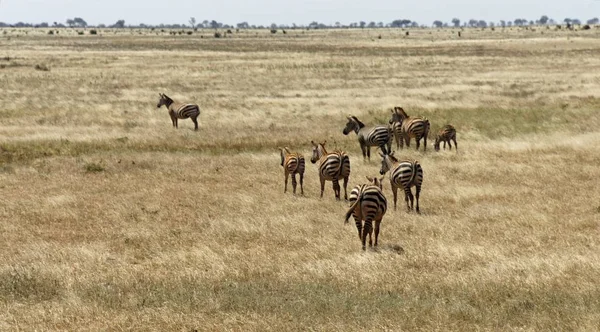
{"x": 380, "y": 136}
{"x": 179, "y": 110}
{"x": 332, "y": 167}
{"x": 403, "y": 174}
{"x": 293, "y": 163}
{"x": 405, "y": 128}
{"x": 368, "y": 205}
{"x": 446, "y": 134}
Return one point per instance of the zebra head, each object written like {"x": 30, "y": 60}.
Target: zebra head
{"x": 398, "y": 115}
{"x": 376, "y": 182}
{"x": 436, "y": 145}
{"x": 353, "y": 124}
{"x": 164, "y": 100}
{"x": 318, "y": 151}
{"x": 386, "y": 162}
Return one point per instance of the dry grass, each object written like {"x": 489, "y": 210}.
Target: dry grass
{"x": 111, "y": 219}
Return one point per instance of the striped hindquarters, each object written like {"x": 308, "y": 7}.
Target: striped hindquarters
{"x": 415, "y": 127}
{"x": 376, "y": 136}
{"x": 184, "y": 111}
{"x": 294, "y": 163}
{"x": 334, "y": 165}
{"x": 372, "y": 203}
{"x": 407, "y": 174}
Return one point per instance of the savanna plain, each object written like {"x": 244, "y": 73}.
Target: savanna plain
{"x": 111, "y": 219}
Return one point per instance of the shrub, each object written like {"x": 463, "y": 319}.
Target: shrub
{"x": 93, "y": 168}
{"x": 189, "y": 32}
{"x": 51, "y": 32}
{"x": 93, "y": 32}
{"x": 273, "y": 30}
{"x": 217, "y": 35}
{"x": 42, "y": 67}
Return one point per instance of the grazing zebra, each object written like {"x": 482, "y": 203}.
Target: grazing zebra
{"x": 368, "y": 204}
{"x": 446, "y": 134}
{"x": 179, "y": 110}
{"x": 405, "y": 174}
{"x": 293, "y": 163}
{"x": 405, "y": 127}
{"x": 332, "y": 166}
{"x": 380, "y": 136}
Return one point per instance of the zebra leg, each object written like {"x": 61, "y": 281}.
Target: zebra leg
{"x": 195, "y": 123}
{"x": 302, "y": 184}
{"x": 455, "y": 145}
{"x": 395, "y": 192}
{"x": 377, "y": 224}
{"x": 176, "y": 126}
{"x": 418, "y": 142}
{"x": 417, "y": 194}
{"x": 286, "y": 182}
{"x": 366, "y": 230}
{"x": 398, "y": 140}
{"x": 364, "y": 151}
{"x": 369, "y": 152}
{"x": 358, "y": 225}
{"x": 172, "y": 120}
{"x": 408, "y": 196}
{"x": 322, "y": 186}
{"x": 445, "y": 144}
{"x": 336, "y": 188}
{"x": 345, "y": 188}
{"x": 425, "y": 142}
{"x": 294, "y": 182}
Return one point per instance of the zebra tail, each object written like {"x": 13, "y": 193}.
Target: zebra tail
{"x": 352, "y": 207}
{"x": 414, "y": 172}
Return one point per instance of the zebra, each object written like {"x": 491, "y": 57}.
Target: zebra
{"x": 332, "y": 166}
{"x": 446, "y": 134}
{"x": 404, "y": 173}
{"x": 368, "y": 204}
{"x": 293, "y": 163}
{"x": 380, "y": 136}
{"x": 405, "y": 127}
{"x": 179, "y": 110}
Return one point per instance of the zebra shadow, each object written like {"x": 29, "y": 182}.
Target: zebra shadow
{"x": 390, "y": 247}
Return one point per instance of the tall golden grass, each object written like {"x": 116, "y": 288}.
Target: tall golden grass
{"x": 110, "y": 219}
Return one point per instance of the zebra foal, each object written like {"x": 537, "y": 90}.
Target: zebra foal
{"x": 447, "y": 133}
{"x": 293, "y": 163}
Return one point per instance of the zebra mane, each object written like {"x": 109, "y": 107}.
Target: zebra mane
{"x": 167, "y": 97}
{"x": 392, "y": 158}
{"x": 355, "y": 119}
{"x": 401, "y": 111}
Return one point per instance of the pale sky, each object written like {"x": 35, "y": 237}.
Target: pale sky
{"x": 265, "y": 12}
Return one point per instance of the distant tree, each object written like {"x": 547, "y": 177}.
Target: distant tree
{"x": 509, "y": 23}
{"x": 568, "y": 20}
{"x": 543, "y": 19}
{"x": 70, "y": 22}
{"x": 414, "y": 24}
{"x": 456, "y": 22}
{"x": 473, "y": 22}
{"x": 273, "y": 26}
{"x": 192, "y": 22}
{"x": 491, "y": 24}
{"x": 243, "y": 25}
{"x": 400, "y": 23}
{"x": 372, "y": 24}
{"x": 438, "y": 24}
{"x": 520, "y": 22}
{"x": 119, "y": 24}
{"x": 576, "y": 21}
{"x": 214, "y": 24}
{"x": 482, "y": 24}
{"x": 205, "y": 23}
{"x": 362, "y": 24}
{"x": 338, "y": 25}
{"x": 43, "y": 25}
{"x": 313, "y": 25}
{"x": 594, "y": 20}
{"x": 80, "y": 22}
{"x": 502, "y": 23}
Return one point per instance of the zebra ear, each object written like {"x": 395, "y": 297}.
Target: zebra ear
{"x": 369, "y": 178}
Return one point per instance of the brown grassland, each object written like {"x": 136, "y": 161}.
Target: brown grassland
{"x": 110, "y": 219}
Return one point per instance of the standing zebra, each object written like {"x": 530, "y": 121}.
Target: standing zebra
{"x": 179, "y": 110}
{"x": 446, "y": 134}
{"x": 405, "y": 174}
{"x": 293, "y": 163}
{"x": 368, "y": 204}
{"x": 405, "y": 127}
{"x": 332, "y": 166}
{"x": 380, "y": 136}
